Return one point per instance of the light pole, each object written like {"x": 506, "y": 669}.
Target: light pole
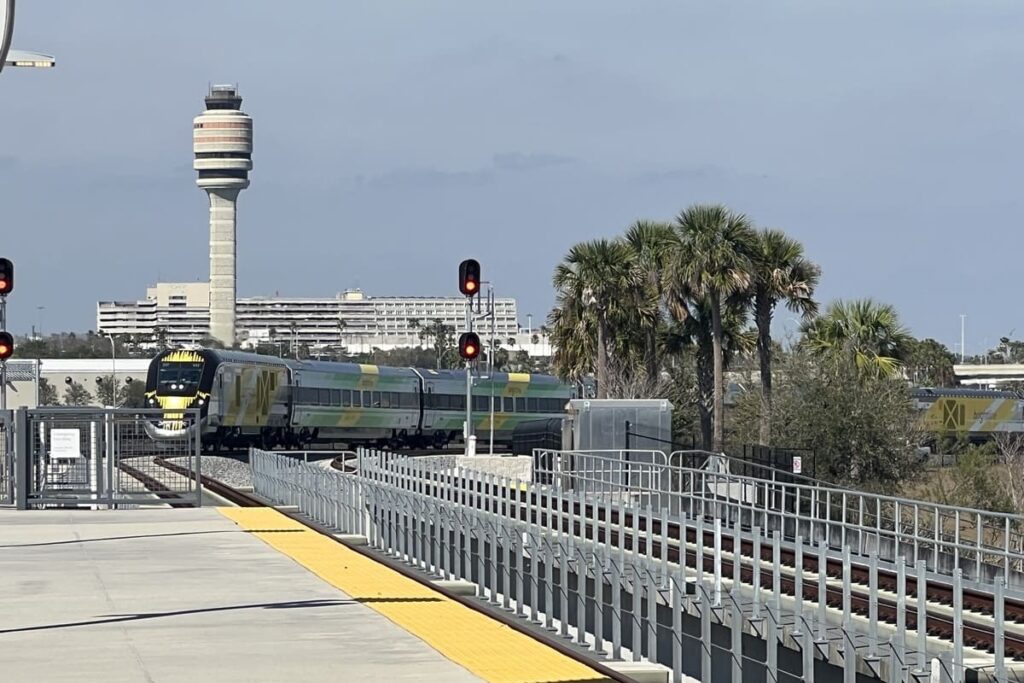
{"x": 963, "y": 317}
{"x": 21, "y": 58}
{"x": 113, "y": 370}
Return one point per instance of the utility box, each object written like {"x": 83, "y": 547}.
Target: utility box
{"x": 615, "y": 424}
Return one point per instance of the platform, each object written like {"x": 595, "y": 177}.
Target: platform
{"x": 185, "y": 595}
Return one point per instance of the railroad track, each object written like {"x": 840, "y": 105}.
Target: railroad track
{"x": 154, "y": 485}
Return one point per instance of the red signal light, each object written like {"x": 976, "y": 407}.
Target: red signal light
{"x": 469, "y": 277}
{"x": 6, "y": 345}
{"x": 6, "y": 276}
{"x": 469, "y": 345}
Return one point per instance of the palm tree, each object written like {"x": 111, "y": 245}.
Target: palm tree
{"x": 650, "y": 242}
{"x": 590, "y": 283}
{"x": 710, "y": 262}
{"x": 695, "y": 331}
{"x": 868, "y": 332}
{"x": 781, "y": 273}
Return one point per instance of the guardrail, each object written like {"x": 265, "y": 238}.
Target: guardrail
{"x": 983, "y": 544}
{"x": 611, "y": 580}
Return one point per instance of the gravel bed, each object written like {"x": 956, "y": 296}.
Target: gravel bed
{"x": 229, "y": 471}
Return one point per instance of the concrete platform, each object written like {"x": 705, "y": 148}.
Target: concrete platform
{"x": 182, "y": 595}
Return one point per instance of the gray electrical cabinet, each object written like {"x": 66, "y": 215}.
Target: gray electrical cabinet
{"x": 614, "y": 424}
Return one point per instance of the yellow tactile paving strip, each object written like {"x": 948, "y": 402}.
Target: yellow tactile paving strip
{"x": 484, "y": 646}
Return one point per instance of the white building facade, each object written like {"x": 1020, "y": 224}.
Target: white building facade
{"x": 179, "y": 313}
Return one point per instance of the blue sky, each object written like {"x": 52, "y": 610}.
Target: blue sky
{"x": 886, "y": 136}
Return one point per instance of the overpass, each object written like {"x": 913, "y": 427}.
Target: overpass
{"x": 988, "y": 375}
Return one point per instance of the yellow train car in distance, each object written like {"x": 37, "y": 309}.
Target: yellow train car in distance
{"x": 978, "y": 413}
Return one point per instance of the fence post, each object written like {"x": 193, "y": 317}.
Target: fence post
{"x": 22, "y": 458}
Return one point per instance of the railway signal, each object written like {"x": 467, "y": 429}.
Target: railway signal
{"x": 469, "y": 345}
{"x": 6, "y": 276}
{"x": 469, "y": 277}
{"x": 6, "y": 345}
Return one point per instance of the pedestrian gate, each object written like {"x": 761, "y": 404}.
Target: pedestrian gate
{"x": 61, "y": 457}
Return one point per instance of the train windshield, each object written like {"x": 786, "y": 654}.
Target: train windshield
{"x": 179, "y": 376}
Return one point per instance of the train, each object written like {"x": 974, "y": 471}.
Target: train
{"x": 247, "y": 399}
{"x": 977, "y": 414}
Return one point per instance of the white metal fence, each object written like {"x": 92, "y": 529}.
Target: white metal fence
{"x": 983, "y": 544}
{"x": 585, "y": 552}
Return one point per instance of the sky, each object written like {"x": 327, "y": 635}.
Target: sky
{"x": 394, "y": 139}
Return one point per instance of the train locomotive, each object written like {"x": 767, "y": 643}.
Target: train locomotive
{"x": 246, "y": 399}
{"x": 977, "y": 414}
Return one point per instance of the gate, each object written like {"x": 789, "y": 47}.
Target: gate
{"x": 99, "y": 457}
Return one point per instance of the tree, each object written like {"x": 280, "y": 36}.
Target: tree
{"x": 863, "y": 428}
{"x": 864, "y": 331}
{"x": 443, "y": 341}
{"x": 781, "y": 273}
{"x": 929, "y": 363}
{"x": 77, "y": 395}
{"x": 691, "y": 337}
{"x": 650, "y": 242}
{"x": 590, "y": 283}
{"x": 47, "y": 393}
{"x": 710, "y": 261}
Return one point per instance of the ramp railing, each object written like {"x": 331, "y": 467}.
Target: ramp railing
{"x": 983, "y": 544}
{"x": 574, "y": 550}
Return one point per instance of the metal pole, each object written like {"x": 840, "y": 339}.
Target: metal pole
{"x": 113, "y": 372}
{"x": 3, "y": 297}
{"x": 469, "y": 375}
{"x": 8, "y": 33}
{"x": 963, "y": 317}
{"x": 490, "y": 360}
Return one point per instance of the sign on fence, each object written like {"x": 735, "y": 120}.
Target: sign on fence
{"x": 797, "y": 464}
{"x": 65, "y": 443}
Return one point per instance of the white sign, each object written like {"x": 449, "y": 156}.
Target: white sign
{"x": 797, "y": 464}
{"x": 65, "y": 443}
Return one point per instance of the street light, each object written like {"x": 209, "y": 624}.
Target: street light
{"x": 113, "y": 370}
{"x": 9, "y": 57}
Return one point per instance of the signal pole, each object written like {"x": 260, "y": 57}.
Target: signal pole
{"x": 469, "y": 342}
{"x": 6, "y": 339}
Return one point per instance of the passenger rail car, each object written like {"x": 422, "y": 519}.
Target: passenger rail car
{"x": 248, "y": 399}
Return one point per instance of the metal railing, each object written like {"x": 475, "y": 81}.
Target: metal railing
{"x": 983, "y": 544}
{"x": 610, "y": 580}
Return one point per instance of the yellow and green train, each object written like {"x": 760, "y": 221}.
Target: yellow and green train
{"x": 246, "y": 399}
{"x": 978, "y": 414}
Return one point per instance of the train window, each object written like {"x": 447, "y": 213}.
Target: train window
{"x": 458, "y": 402}
{"x": 531, "y": 404}
{"x": 335, "y": 397}
{"x": 375, "y": 399}
{"x": 508, "y": 404}
{"x": 346, "y": 397}
{"x": 442, "y": 401}
{"x": 520, "y": 405}
{"x": 482, "y": 404}
{"x": 324, "y": 397}
{"x": 396, "y": 399}
{"x": 366, "y": 399}
{"x": 553, "y": 405}
{"x": 385, "y": 399}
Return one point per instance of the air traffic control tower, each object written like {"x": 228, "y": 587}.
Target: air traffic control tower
{"x": 222, "y": 141}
